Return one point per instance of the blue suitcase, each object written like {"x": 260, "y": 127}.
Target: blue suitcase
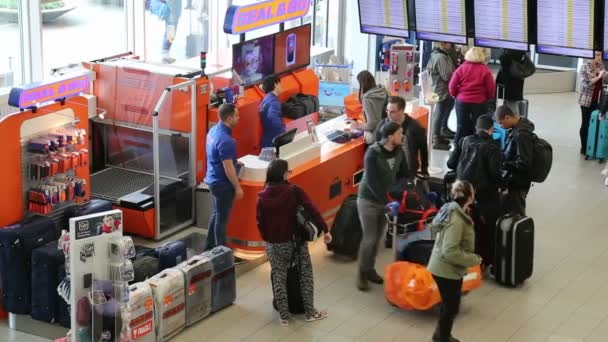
{"x": 171, "y": 254}
{"x": 16, "y": 245}
{"x": 597, "y": 138}
{"x": 93, "y": 206}
{"x": 46, "y": 262}
{"x": 223, "y": 283}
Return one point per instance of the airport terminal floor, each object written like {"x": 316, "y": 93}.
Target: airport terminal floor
{"x": 565, "y": 300}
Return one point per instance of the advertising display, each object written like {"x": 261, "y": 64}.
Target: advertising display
{"x": 512, "y": 29}
{"x": 292, "y": 49}
{"x": 252, "y": 60}
{"x": 241, "y": 19}
{"x": 441, "y": 20}
{"x": 389, "y": 18}
{"x": 565, "y": 27}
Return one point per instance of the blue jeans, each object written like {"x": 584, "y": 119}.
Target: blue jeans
{"x": 222, "y": 196}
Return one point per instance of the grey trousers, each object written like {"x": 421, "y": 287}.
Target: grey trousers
{"x": 373, "y": 223}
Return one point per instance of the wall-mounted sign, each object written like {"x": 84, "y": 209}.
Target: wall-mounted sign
{"x": 32, "y": 94}
{"x": 241, "y": 19}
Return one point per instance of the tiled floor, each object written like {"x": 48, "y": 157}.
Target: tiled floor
{"x": 564, "y": 301}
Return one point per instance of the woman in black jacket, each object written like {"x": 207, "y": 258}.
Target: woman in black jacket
{"x": 509, "y": 88}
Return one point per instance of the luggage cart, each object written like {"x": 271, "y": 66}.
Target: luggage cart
{"x": 406, "y": 233}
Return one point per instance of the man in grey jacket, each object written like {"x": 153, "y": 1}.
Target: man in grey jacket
{"x": 441, "y": 67}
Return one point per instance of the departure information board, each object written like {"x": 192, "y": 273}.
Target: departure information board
{"x": 385, "y": 17}
{"x": 501, "y": 24}
{"x": 565, "y": 27}
{"x": 441, "y": 20}
{"x": 605, "y": 30}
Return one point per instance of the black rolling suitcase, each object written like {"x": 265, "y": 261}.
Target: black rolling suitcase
{"x": 16, "y": 245}
{"x": 514, "y": 253}
{"x": 346, "y": 231}
{"x": 93, "y": 206}
{"x": 46, "y": 264}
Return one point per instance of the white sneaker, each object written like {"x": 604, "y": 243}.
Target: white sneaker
{"x": 605, "y": 172}
{"x": 606, "y": 181}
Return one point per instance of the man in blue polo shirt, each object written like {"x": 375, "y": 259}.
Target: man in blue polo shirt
{"x": 270, "y": 111}
{"x": 221, "y": 176}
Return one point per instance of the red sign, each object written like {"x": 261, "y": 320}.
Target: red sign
{"x": 241, "y": 19}
{"x": 141, "y": 330}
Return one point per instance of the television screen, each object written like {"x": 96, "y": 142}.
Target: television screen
{"x": 441, "y": 20}
{"x": 332, "y": 94}
{"x": 501, "y": 24}
{"x": 565, "y": 27}
{"x": 252, "y": 60}
{"x": 292, "y": 48}
{"x": 384, "y": 17}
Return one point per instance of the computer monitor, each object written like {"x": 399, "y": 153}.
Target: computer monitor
{"x": 388, "y": 18}
{"x": 566, "y": 27}
{"x": 284, "y": 139}
{"x": 253, "y": 60}
{"x": 441, "y": 20}
{"x": 500, "y": 24}
{"x": 292, "y": 49}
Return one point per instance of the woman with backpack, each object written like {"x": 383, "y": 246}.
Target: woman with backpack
{"x": 276, "y": 217}
{"x": 452, "y": 254}
{"x": 374, "y": 99}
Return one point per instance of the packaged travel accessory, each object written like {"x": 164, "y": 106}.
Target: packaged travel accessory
{"x": 122, "y": 271}
{"x": 123, "y": 247}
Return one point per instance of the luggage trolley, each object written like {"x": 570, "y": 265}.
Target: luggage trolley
{"x": 404, "y": 233}
{"x": 334, "y": 85}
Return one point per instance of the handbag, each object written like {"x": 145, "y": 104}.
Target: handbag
{"x": 306, "y": 229}
{"x": 522, "y": 69}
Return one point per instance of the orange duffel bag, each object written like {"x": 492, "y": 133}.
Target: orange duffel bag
{"x": 411, "y": 286}
{"x": 352, "y": 106}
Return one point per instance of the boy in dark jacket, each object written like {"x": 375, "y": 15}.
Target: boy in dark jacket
{"x": 477, "y": 160}
{"x": 384, "y": 164}
{"x": 518, "y": 154}
{"x": 414, "y": 146}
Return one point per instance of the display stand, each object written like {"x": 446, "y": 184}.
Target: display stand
{"x": 100, "y": 270}
{"x": 430, "y": 99}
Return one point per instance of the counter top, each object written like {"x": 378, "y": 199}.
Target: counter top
{"x": 302, "y": 153}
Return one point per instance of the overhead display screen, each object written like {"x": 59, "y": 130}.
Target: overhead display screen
{"x": 501, "y": 24}
{"x": 385, "y": 17}
{"x": 441, "y": 20}
{"x": 605, "y": 30}
{"x": 565, "y": 27}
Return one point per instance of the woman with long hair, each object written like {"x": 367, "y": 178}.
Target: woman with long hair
{"x": 453, "y": 253}
{"x": 374, "y": 99}
{"x": 593, "y": 76}
{"x": 276, "y": 218}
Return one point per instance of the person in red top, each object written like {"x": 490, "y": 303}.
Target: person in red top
{"x": 276, "y": 218}
{"x": 593, "y": 75}
{"x": 472, "y": 85}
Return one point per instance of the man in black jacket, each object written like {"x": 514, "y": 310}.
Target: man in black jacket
{"x": 518, "y": 154}
{"x": 477, "y": 160}
{"x": 415, "y": 146}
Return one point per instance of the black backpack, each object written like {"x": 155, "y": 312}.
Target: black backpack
{"x": 346, "y": 231}
{"x": 542, "y": 160}
{"x": 300, "y": 105}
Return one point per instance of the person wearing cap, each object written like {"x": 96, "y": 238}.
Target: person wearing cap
{"x": 477, "y": 159}
{"x": 384, "y": 166}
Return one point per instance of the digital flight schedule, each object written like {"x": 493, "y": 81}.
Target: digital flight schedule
{"x": 501, "y": 24}
{"x": 441, "y": 20}
{"x": 385, "y": 17}
{"x": 565, "y": 27}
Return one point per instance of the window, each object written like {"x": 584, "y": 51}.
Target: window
{"x": 320, "y": 28}
{"x": 10, "y": 53}
{"x": 76, "y": 31}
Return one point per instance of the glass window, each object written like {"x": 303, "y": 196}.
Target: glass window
{"x": 320, "y": 29}
{"x": 10, "y": 53}
{"x": 333, "y": 26}
{"x": 76, "y": 31}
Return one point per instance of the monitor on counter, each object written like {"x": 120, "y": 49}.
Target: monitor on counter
{"x": 501, "y": 24}
{"x": 292, "y": 49}
{"x": 389, "y": 18}
{"x": 253, "y": 60}
{"x": 441, "y": 20}
{"x": 566, "y": 27}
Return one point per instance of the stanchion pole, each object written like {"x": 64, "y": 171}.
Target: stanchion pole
{"x": 433, "y": 170}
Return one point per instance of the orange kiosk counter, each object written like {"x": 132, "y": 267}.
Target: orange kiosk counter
{"x": 248, "y": 133}
{"x": 129, "y": 90}
{"x": 327, "y": 171}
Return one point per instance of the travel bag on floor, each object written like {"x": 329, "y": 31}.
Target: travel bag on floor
{"x": 198, "y": 272}
{"x": 141, "y": 303}
{"x": 419, "y": 252}
{"x": 223, "y": 284}
{"x": 514, "y": 258}
{"x": 169, "y": 303}
{"x": 62, "y": 315}
{"x": 597, "y": 138}
{"x": 46, "y": 263}
{"x": 145, "y": 267}
{"x": 16, "y": 245}
{"x": 94, "y": 206}
{"x": 171, "y": 254}
{"x": 346, "y": 231}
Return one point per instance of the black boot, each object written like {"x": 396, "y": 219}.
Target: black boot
{"x": 374, "y": 277}
{"x": 447, "y": 133}
{"x": 439, "y": 143}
